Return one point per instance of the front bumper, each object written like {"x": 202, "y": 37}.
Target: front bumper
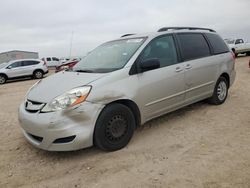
{"x": 44, "y": 130}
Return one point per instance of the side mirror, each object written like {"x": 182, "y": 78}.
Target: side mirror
{"x": 9, "y": 67}
{"x": 149, "y": 64}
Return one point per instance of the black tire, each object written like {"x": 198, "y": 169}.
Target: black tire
{"x": 220, "y": 92}
{"x": 38, "y": 74}
{"x": 114, "y": 127}
{"x": 248, "y": 53}
{"x": 3, "y": 79}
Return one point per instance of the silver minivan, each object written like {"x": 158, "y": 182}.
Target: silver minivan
{"x": 125, "y": 83}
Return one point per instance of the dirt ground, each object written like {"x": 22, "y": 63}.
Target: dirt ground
{"x": 198, "y": 146}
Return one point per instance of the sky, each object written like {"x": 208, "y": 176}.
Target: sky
{"x": 49, "y": 26}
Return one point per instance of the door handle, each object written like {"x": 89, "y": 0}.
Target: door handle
{"x": 188, "y": 66}
{"x": 178, "y": 69}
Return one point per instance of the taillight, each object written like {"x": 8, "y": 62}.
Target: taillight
{"x": 44, "y": 63}
{"x": 233, "y": 54}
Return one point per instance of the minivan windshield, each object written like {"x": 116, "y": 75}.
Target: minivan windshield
{"x": 109, "y": 56}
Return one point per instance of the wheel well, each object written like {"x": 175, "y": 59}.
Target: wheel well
{"x": 38, "y": 70}
{"x": 4, "y": 75}
{"x": 226, "y": 76}
{"x": 133, "y": 107}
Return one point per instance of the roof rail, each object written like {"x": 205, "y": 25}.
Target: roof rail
{"x": 189, "y": 28}
{"x": 126, "y": 35}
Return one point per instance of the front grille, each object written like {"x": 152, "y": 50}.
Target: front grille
{"x": 37, "y": 138}
{"x": 33, "y": 106}
{"x": 64, "y": 140}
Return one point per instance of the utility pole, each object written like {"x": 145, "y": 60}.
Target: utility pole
{"x": 71, "y": 43}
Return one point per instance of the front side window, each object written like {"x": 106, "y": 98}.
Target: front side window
{"x": 16, "y": 64}
{"x": 239, "y": 41}
{"x": 110, "y": 56}
{"x": 48, "y": 59}
{"x": 193, "y": 46}
{"x": 163, "y": 49}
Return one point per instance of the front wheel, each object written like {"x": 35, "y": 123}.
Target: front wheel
{"x": 220, "y": 92}
{"x": 114, "y": 127}
{"x": 3, "y": 79}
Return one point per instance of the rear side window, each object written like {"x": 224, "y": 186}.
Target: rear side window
{"x": 193, "y": 46}
{"x": 55, "y": 59}
{"x": 163, "y": 49}
{"x": 217, "y": 43}
{"x": 29, "y": 63}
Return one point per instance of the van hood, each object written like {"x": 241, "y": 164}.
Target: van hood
{"x": 57, "y": 84}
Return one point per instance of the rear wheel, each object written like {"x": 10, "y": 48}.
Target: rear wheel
{"x": 3, "y": 79}
{"x": 248, "y": 53}
{"x": 38, "y": 74}
{"x": 220, "y": 92}
{"x": 114, "y": 127}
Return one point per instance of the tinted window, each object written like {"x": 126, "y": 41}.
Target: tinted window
{"x": 239, "y": 41}
{"x": 29, "y": 63}
{"x": 162, "y": 49}
{"x": 217, "y": 43}
{"x": 193, "y": 45}
{"x": 55, "y": 59}
{"x": 16, "y": 64}
{"x": 48, "y": 59}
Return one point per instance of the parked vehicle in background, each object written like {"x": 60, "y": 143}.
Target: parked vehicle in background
{"x": 22, "y": 68}
{"x": 51, "y": 61}
{"x": 63, "y": 60}
{"x": 125, "y": 83}
{"x": 238, "y": 46}
{"x": 68, "y": 65}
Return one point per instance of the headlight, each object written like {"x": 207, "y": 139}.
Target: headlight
{"x": 68, "y": 99}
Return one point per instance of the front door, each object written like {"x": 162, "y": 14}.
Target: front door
{"x": 163, "y": 89}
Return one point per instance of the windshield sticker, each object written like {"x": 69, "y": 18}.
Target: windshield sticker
{"x": 134, "y": 40}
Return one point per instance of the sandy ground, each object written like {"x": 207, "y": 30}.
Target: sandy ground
{"x": 198, "y": 146}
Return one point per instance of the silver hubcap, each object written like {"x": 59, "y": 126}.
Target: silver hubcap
{"x": 2, "y": 80}
{"x": 222, "y": 90}
{"x": 39, "y": 74}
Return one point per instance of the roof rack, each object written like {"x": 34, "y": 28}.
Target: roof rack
{"x": 189, "y": 28}
{"x": 126, "y": 35}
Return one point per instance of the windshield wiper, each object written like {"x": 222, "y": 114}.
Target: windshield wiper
{"x": 84, "y": 70}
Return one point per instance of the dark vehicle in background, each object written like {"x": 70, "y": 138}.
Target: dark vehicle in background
{"x": 68, "y": 65}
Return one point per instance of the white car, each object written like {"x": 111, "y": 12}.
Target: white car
{"x": 51, "y": 61}
{"x": 22, "y": 68}
{"x": 238, "y": 46}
